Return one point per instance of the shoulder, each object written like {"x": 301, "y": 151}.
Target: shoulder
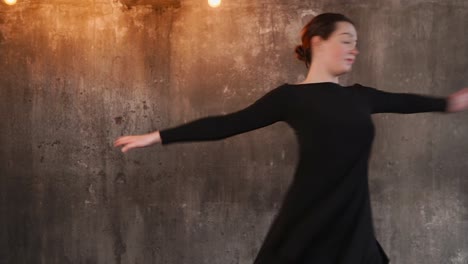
{"x": 365, "y": 89}
{"x": 276, "y": 94}
{"x": 280, "y": 90}
{"x": 360, "y": 86}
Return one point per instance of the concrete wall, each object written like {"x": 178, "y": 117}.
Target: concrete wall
{"x": 77, "y": 74}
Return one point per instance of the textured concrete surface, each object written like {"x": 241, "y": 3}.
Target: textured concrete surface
{"x": 77, "y": 74}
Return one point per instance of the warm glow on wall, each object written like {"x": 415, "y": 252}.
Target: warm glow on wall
{"x": 10, "y": 2}
{"x": 214, "y": 3}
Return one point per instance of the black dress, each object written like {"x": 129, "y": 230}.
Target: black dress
{"x": 326, "y": 215}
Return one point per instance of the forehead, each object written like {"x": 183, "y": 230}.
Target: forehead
{"x": 345, "y": 29}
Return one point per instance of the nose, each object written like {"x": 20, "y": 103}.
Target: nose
{"x": 355, "y": 51}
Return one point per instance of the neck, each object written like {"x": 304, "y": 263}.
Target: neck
{"x": 318, "y": 73}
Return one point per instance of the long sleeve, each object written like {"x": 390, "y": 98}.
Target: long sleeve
{"x": 267, "y": 110}
{"x": 403, "y": 103}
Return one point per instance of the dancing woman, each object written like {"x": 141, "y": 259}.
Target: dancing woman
{"x": 325, "y": 217}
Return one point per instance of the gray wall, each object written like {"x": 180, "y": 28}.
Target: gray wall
{"x": 77, "y": 74}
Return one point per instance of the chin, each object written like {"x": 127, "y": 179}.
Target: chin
{"x": 347, "y": 69}
{"x": 343, "y": 71}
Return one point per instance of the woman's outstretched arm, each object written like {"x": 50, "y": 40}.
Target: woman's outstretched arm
{"x": 267, "y": 110}
{"x": 408, "y": 103}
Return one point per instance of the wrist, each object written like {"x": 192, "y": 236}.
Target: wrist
{"x": 155, "y": 137}
{"x": 447, "y": 104}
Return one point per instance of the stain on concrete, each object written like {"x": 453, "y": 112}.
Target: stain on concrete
{"x": 118, "y": 120}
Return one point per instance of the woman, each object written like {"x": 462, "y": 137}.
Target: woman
{"x": 326, "y": 216}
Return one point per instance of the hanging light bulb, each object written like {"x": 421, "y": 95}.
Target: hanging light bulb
{"x": 10, "y": 2}
{"x": 214, "y": 3}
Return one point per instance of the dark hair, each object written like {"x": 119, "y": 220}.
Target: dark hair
{"x": 321, "y": 25}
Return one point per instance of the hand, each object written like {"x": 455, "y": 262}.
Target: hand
{"x": 458, "y": 101}
{"x": 137, "y": 141}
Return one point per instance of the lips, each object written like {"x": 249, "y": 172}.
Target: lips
{"x": 350, "y": 60}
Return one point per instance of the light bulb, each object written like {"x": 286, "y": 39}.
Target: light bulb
{"x": 214, "y": 3}
{"x": 10, "y": 2}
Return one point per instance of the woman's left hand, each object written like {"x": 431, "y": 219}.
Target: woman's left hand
{"x": 458, "y": 101}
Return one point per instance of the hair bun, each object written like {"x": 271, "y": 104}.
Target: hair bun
{"x": 300, "y": 53}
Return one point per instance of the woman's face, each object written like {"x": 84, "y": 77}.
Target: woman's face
{"x": 339, "y": 51}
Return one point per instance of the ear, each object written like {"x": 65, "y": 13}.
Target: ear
{"x": 315, "y": 42}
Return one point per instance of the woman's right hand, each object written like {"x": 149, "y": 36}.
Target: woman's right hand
{"x": 137, "y": 141}
{"x": 458, "y": 101}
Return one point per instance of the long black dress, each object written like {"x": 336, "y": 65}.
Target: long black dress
{"x": 326, "y": 216}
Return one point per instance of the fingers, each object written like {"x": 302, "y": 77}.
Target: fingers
{"x": 127, "y": 142}
{"x": 132, "y": 145}
{"x": 127, "y": 148}
{"x": 130, "y": 142}
{"x": 123, "y": 140}
{"x": 459, "y": 100}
